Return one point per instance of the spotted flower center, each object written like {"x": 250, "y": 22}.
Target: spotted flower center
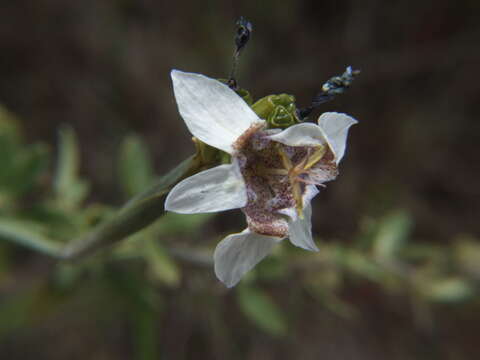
{"x": 276, "y": 177}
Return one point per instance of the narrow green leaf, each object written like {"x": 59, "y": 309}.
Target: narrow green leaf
{"x": 31, "y": 163}
{"x": 25, "y": 234}
{"x": 260, "y": 309}
{"x": 21, "y": 164}
{"x": 392, "y": 234}
{"x": 70, "y": 189}
{"x": 162, "y": 266}
{"x": 449, "y": 290}
{"x": 135, "y": 166}
{"x": 358, "y": 263}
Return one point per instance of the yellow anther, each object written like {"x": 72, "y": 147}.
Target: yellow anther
{"x": 294, "y": 172}
{"x": 287, "y": 163}
{"x": 262, "y": 170}
{"x": 315, "y": 157}
{"x": 297, "y": 196}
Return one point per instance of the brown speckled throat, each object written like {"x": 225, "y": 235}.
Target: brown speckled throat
{"x": 270, "y": 185}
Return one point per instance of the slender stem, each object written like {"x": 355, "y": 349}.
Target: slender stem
{"x": 138, "y": 213}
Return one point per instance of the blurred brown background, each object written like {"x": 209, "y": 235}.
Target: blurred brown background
{"x": 103, "y": 67}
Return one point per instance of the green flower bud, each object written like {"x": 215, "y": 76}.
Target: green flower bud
{"x": 279, "y": 111}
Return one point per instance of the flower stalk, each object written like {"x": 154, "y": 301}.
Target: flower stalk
{"x": 143, "y": 209}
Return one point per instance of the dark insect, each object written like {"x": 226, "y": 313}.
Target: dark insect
{"x": 244, "y": 30}
{"x": 242, "y": 35}
{"x": 334, "y": 86}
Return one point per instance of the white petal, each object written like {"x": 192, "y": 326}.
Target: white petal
{"x": 217, "y": 189}
{"x": 300, "y": 231}
{"x": 239, "y": 253}
{"x": 335, "y": 127}
{"x": 213, "y": 112}
{"x": 310, "y": 192}
{"x": 291, "y": 212}
{"x": 305, "y": 134}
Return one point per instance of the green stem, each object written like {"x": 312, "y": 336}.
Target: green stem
{"x": 136, "y": 214}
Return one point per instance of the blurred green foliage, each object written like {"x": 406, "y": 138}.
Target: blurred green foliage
{"x": 22, "y": 166}
{"x": 43, "y": 209}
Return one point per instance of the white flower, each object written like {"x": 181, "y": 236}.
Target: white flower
{"x": 272, "y": 177}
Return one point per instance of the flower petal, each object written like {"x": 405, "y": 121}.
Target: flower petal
{"x": 310, "y": 192}
{"x": 335, "y": 127}
{"x": 300, "y": 231}
{"x": 212, "y": 111}
{"x": 217, "y": 189}
{"x": 239, "y": 253}
{"x": 305, "y": 134}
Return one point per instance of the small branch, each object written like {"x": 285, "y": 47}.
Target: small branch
{"x": 138, "y": 213}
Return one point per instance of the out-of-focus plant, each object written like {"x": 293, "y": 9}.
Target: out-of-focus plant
{"x": 49, "y": 208}
{"x": 43, "y": 207}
